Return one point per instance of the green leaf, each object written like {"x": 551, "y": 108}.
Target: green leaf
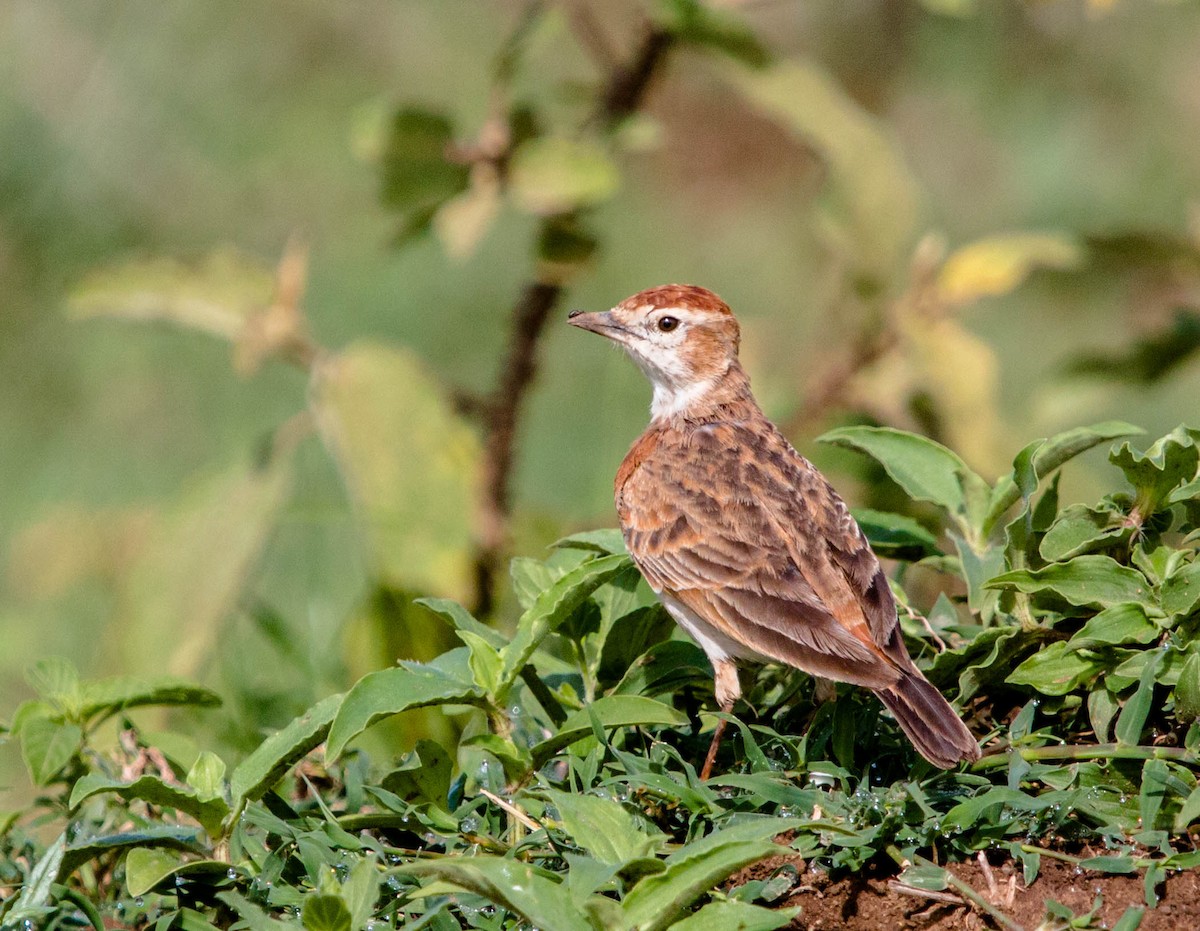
{"x": 979, "y": 568}
{"x": 461, "y": 619}
{"x": 1122, "y": 623}
{"x": 361, "y": 890}
{"x": 36, "y": 893}
{"x": 1080, "y": 529}
{"x": 605, "y": 828}
{"x": 1051, "y": 454}
{"x": 1189, "y": 811}
{"x": 550, "y": 175}
{"x": 871, "y": 196}
{"x": 657, "y": 900}
{"x": 326, "y": 913}
{"x": 1109, "y": 864}
{"x": 265, "y": 766}
{"x": 610, "y": 711}
{"x": 207, "y": 776}
{"x": 209, "y": 812}
{"x": 1155, "y": 473}
{"x": 925, "y": 876}
{"x": 732, "y": 915}
{"x": 1156, "y": 779}
{"x": 1187, "y": 690}
{"x": 967, "y": 814}
{"x": 927, "y": 471}
{"x": 147, "y": 867}
{"x": 115, "y": 694}
{"x": 1085, "y": 580}
{"x": 895, "y": 536}
{"x": 409, "y": 462}
{"x": 607, "y": 542}
{"x": 1131, "y": 919}
{"x": 551, "y": 608}
{"x": 391, "y": 691}
{"x": 56, "y": 680}
{"x": 216, "y": 296}
{"x": 695, "y": 23}
{"x": 1181, "y": 590}
{"x": 416, "y": 169}
{"x": 174, "y": 837}
{"x": 1132, "y": 719}
{"x": 1055, "y": 670}
{"x": 255, "y": 918}
{"x": 47, "y": 746}
{"x": 485, "y": 661}
{"x": 423, "y": 776}
{"x": 510, "y": 884}
{"x": 666, "y": 667}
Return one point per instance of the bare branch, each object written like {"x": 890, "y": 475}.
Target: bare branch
{"x": 623, "y": 95}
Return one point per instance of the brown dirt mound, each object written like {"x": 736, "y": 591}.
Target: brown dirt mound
{"x": 874, "y": 900}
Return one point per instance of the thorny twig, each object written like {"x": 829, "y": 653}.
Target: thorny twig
{"x": 622, "y": 96}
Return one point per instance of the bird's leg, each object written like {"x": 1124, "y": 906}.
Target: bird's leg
{"x": 728, "y": 689}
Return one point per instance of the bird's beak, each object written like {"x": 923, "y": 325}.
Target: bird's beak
{"x": 602, "y": 323}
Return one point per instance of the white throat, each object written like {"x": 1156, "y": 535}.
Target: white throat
{"x": 674, "y": 400}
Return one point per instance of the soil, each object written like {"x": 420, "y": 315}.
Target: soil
{"x": 874, "y": 900}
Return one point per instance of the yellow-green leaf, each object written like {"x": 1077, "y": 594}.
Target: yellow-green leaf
{"x": 873, "y": 198}
{"x": 409, "y": 461}
{"x": 557, "y": 175}
{"x": 999, "y": 264}
{"x": 216, "y": 296}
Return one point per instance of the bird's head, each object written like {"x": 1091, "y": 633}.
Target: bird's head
{"x": 683, "y": 337}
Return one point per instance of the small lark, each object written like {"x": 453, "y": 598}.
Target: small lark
{"x": 744, "y": 541}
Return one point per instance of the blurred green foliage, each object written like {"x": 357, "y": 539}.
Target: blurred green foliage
{"x": 958, "y": 201}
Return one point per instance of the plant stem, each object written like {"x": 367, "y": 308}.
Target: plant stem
{"x": 622, "y": 96}
{"x": 963, "y": 888}
{"x": 1110, "y": 751}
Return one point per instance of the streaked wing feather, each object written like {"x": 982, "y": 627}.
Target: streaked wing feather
{"x": 780, "y": 566}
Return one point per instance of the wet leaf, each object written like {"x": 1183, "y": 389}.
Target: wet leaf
{"x": 326, "y": 913}
{"x": 520, "y": 888}
{"x": 610, "y": 711}
{"x": 691, "y": 872}
{"x": 266, "y": 765}
{"x": 732, "y": 915}
{"x": 391, "y": 691}
{"x": 152, "y": 789}
{"x": 551, "y": 608}
{"x": 605, "y": 828}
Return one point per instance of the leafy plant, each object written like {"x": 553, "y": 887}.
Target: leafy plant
{"x": 572, "y": 801}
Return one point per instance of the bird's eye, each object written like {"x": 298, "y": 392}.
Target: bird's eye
{"x": 667, "y": 324}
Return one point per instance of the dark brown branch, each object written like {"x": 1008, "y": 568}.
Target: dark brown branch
{"x": 621, "y": 97}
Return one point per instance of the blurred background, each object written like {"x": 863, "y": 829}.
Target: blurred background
{"x": 259, "y": 265}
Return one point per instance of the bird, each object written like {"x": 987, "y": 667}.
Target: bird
{"x": 743, "y": 540}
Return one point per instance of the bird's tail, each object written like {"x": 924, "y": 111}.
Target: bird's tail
{"x": 929, "y": 721}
